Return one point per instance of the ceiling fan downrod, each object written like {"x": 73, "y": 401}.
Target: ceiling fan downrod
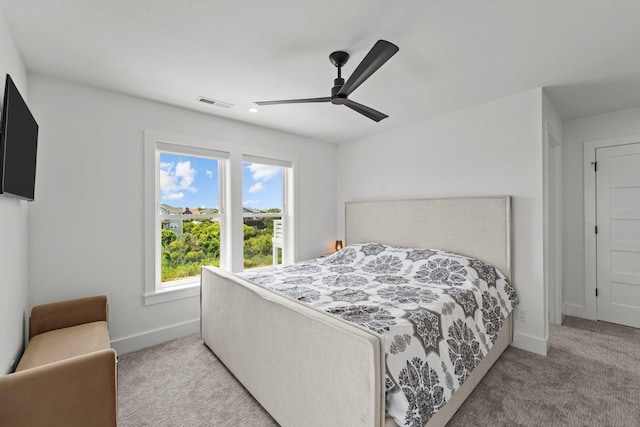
{"x": 338, "y": 58}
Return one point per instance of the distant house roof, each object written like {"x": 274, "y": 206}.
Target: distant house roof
{"x": 247, "y": 210}
{"x": 170, "y": 210}
{"x": 208, "y": 211}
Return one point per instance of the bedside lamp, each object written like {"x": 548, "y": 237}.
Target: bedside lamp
{"x": 339, "y": 245}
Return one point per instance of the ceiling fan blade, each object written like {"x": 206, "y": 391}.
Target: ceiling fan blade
{"x": 295, "y": 101}
{"x": 377, "y": 56}
{"x": 366, "y": 111}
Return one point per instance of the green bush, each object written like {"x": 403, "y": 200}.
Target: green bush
{"x": 200, "y": 245}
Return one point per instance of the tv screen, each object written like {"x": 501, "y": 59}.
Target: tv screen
{"x": 18, "y": 145}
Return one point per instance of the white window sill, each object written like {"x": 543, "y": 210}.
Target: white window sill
{"x": 172, "y": 293}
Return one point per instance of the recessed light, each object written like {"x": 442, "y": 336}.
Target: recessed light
{"x": 253, "y": 110}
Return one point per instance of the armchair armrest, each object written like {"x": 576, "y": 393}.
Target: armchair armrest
{"x": 73, "y": 392}
{"x": 57, "y": 315}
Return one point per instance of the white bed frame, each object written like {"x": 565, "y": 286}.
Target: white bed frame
{"x": 307, "y": 368}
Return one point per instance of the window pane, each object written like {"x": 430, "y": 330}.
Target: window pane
{"x": 262, "y": 241}
{"x": 187, "y": 245}
{"x": 188, "y": 186}
{"x": 188, "y": 182}
{"x": 262, "y": 194}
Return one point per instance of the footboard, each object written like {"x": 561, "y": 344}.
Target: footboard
{"x": 303, "y": 366}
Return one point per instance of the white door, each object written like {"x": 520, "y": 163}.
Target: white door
{"x": 618, "y": 234}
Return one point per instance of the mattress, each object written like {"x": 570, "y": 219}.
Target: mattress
{"x": 439, "y": 314}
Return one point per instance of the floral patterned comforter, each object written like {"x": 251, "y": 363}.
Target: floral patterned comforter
{"x": 439, "y": 313}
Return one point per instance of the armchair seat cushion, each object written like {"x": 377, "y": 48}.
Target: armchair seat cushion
{"x": 61, "y": 344}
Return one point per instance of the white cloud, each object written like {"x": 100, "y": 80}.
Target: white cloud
{"x": 249, "y": 202}
{"x": 256, "y": 187}
{"x": 263, "y": 172}
{"x": 175, "y": 196}
{"x": 209, "y": 173}
{"x": 175, "y": 179}
{"x": 185, "y": 174}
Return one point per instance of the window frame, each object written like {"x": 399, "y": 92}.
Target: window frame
{"x": 231, "y": 158}
{"x": 190, "y": 152}
{"x": 287, "y": 203}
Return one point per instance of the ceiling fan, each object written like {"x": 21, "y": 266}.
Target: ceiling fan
{"x": 380, "y": 53}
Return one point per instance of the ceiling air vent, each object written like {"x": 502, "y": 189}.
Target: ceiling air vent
{"x": 215, "y": 102}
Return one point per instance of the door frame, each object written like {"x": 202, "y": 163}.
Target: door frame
{"x": 590, "y": 206}
{"x": 552, "y": 224}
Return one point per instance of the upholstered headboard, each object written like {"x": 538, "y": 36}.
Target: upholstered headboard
{"x": 479, "y": 227}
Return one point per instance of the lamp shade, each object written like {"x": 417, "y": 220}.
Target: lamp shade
{"x": 339, "y": 245}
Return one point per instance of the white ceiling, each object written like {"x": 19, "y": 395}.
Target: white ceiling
{"x": 453, "y": 54}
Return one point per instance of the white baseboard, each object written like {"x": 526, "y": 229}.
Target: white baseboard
{"x": 578, "y": 311}
{"x": 529, "y": 343}
{"x": 155, "y": 337}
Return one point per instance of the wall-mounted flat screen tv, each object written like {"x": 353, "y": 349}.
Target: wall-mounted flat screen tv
{"x": 18, "y": 145}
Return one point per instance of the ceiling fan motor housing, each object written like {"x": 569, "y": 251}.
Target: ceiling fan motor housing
{"x": 335, "y": 98}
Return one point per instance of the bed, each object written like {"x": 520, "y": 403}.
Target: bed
{"x": 310, "y": 368}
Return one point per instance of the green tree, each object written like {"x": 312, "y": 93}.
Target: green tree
{"x": 199, "y": 245}
{"x": 168, "y": 236}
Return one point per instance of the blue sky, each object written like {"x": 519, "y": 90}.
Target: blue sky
{"x": 187, "y": 181}
{"x": 261, "y": 186}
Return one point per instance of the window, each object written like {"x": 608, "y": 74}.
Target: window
{"x": 214, "y": 204}
{"x": 264, "y": 183}
{"x": 189, "y": 216}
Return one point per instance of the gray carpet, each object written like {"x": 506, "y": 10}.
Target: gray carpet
{"x": 591, "y": 377}
{"x": 181, "y": 383}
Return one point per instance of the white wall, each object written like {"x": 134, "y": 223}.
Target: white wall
{"x": 13, "y": 230}
{"x": 87, "y": 220}
{"x": 575, "y": 133}
{"x": 491, "y": 149}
